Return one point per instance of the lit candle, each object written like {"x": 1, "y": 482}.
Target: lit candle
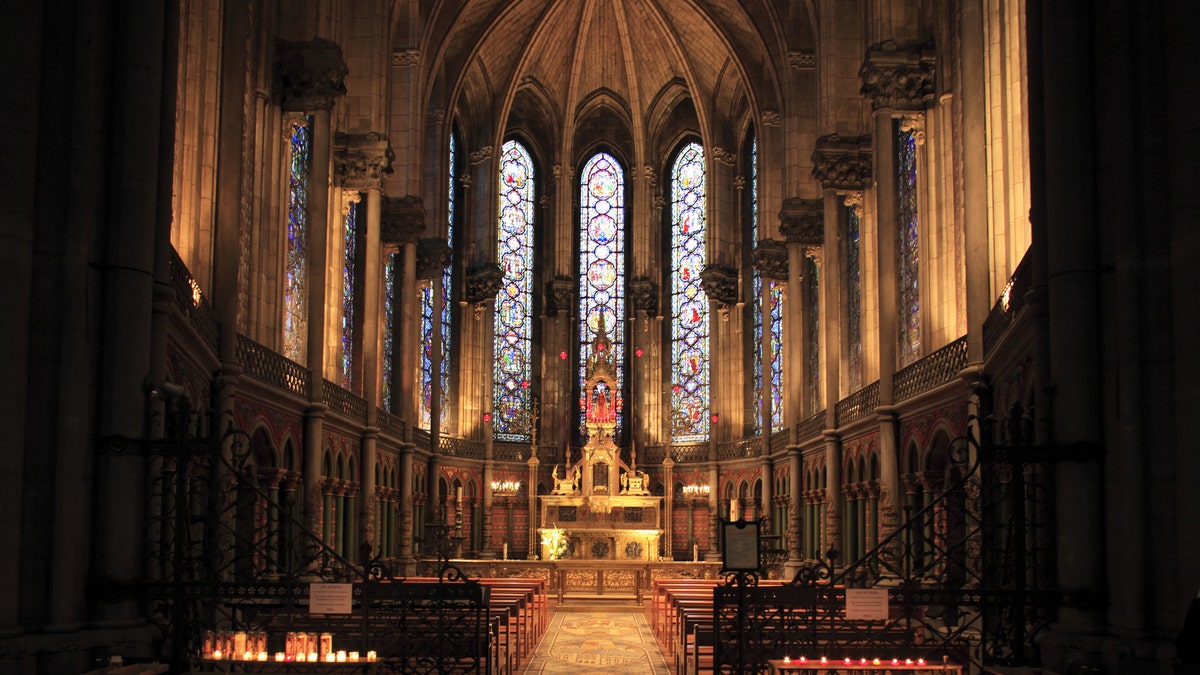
{"x": 848, "y": 662}
{"x": 262, "y": 656}
{"x": 371, "y": 656}
{"x": 312, "y": 657}
{"x": 301, "y": 657}
{"x": 341, "y": 656}
{"x": 247, "y": 656}
{"x": 875, "y": 662}
{"x": 330, "y": 657}
{"x": 787, "y": 659}
{"x": 280, "y": 656}
{"x": 217, "y": 654}
{"x": 458, "y": 493}
{"x": 824, "y": 660}
{"x": 353, "y": 656}
{"x": 895, "y": 662}
{"x": 920, "y": 662}
{"x": 803, "y": 660}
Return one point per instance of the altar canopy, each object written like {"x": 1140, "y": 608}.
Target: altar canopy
{"x": 603, "y": 502}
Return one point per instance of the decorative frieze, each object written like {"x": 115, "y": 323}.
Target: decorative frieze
{"x": 433, "y": 256}
{"x": 402, "y": 221}
{"x": 771, "y": 259}
{"x": 643, "y": 295}
{"x": 723, "y": 156}
{"x": 482, "y": 283}
{"x": 802, "y": 221}
{"x": 309, "y": 75}
{"x": 842, "y": 163}
{"x": 772, "y": 118}
{"x": 561, "y": 291}
{"x": 405, "y": 58}
{"x": 720, "y": 284}
{"x": 360, "y": 161}
{"x": 481, "y": 155}
{"x": 898, "y": 78}
{"x": 802, "y": 60}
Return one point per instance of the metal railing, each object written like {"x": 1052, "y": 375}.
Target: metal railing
{"x": 272, "y": 368}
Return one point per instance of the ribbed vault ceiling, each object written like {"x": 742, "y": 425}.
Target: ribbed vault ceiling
{"x": 636, "y": 56}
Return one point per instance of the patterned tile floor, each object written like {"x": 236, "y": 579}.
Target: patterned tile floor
{"x": 598, "y": 640}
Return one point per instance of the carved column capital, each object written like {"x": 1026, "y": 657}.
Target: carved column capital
{"x": 561, "y": 291}
{"x": 402, "y": 221}
{"x": 724, "y": 156}
{"x": 898, "y": 78}
{"x": 643, "y": 295}
{"x": 482, "y": 283}
{"x": 720, "y": 284}
{"x": 771, "y": 258}
{"x": 360, "y": 161}
{"x": 802, "y": 221}
{"x": 842, "y": 163}
{"x": 855, "y": 201}
{"x": 433, "y": 256}
{"x": 914, "y": 123}
{"x": 481, "y": 155}
{"x": 309, "y": 75}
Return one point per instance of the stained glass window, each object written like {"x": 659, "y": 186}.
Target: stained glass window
{"x": 812, "y": 303}
{"x": 350, "y": 233}
{"x": 775, "y": 294}
{"x": 295, "y": 289}
{"x": 513, "y": 322}
{"x": 756, "y": 312}
{"x": 438, "y": 341}
{"x": 389, "y": 322}
{"x": 910, "y": 298}
{"x": 689, "y": 302}
{"x": 602, "y": 265}
{"x": 853, "y": 299}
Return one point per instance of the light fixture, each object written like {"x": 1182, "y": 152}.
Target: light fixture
{"x": 700, "y": 491}
{"x": 506, "y": 488}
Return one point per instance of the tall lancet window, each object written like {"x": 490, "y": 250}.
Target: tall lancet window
{"x": 352, "y": 252}
{"x": 513, "y": 323}
{"x": 602, "y": 268}
{"x": 689, "y": 303}
{"x": 436, "y": 336}
{"x": 295, "y": 280}
{"x": 812, "y": 324}
{"x": 910, "y": 289}
{"x": 854, "y": 346}
{"x": 767, "y": 323}
{"x": 389, "y": 329}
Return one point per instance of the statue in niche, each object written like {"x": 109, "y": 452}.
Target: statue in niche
{"x": 600, "y": 477}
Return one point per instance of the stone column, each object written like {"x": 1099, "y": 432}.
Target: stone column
{"x": 972, "y": 80}
{"x": 361, "y": 165}
{"x": 311, "y": 77}
{"x": 402, "y": 221}
{"x": 668, "y": 519}
{"x": 803, "y": 223}
{"x": 405, "y": 550}
{"x": 795, "y": 510}
{"x": 897, "y": 80}
{"x": 771, "y": 260}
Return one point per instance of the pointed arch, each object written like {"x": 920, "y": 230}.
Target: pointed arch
{"x": 513, "y": 322}
{"x": 689, "y": 339}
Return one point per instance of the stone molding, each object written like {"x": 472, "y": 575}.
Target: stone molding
{"x": 842, "y": 163}
{"x": 406, "y": 58}
{"x": 360, "y": 161}
{"x": 802, "y": 60}
{"x": 898, "y": 78}
{"x": 772, "y": 118}
{"x": 720, "y": 284}
{"x": 482, "y": 283}
{"x": 643, "y": 295}
{"x": 481, "y": 155}
{"x": 433, "y": 257}
{"x": 402, "y": 221}
{"x": 802, "y": 221}
{"x": 309, "y": 75}
{"x": 771, "y": 259}
{"x": 561, "y": 292}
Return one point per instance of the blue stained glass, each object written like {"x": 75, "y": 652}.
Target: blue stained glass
{"x": 854, "y": 299}
{"x": 513, "y": 326}
{"x": 775, "y": 293}
{"x": 910, "y": 297}
{"x": 602, "y": 265}
{"x": 295, "y": 285}
{"x": 349, "y": 276}
{"x": 437, "y": 342}
{"x": 689, "y": 303}
{"x": 389, "y": 286}
{"x": 756, "y": 311}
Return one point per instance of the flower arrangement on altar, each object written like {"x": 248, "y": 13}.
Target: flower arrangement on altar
{"x": 555, "y": 542}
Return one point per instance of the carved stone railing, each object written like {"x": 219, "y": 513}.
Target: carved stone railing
{"x": 741, "y": 448}
{"x": 811, "y": 426}
{"x": 652, "y": 454}
{"x": 780, "y": 440}
{"x": 691, "y": 452}
{"x": 192, "y": 303}
{"x": 272, "y": 368}
{"x": 345, "y": 403}
{"x": 460, "y": 447}
{"x": 1008, "y": 305}
{"x": 932, "y": 371}
{"x": 858, "y": 405}
{"x": 391, "y": 424}
{"x": 510, "y": 452}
